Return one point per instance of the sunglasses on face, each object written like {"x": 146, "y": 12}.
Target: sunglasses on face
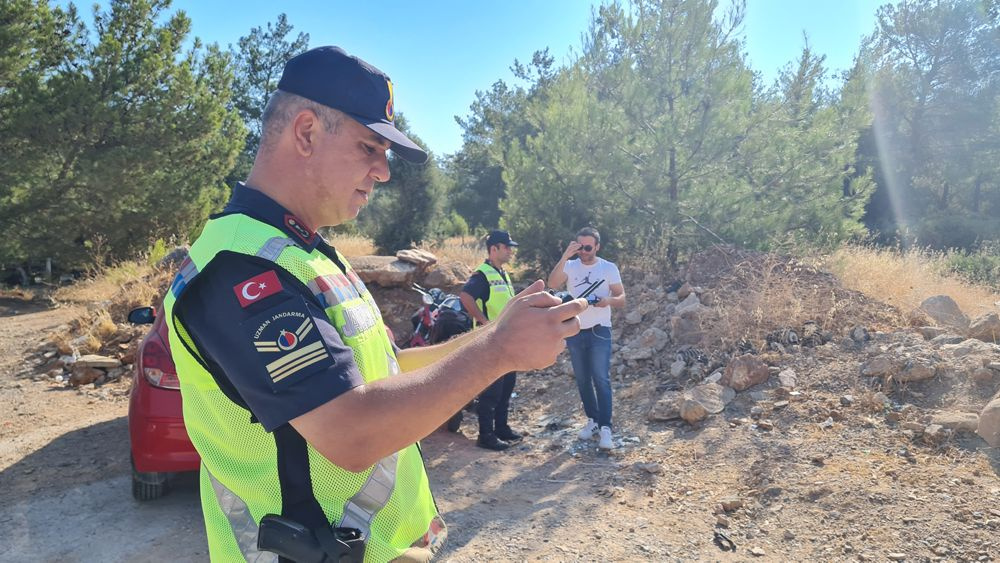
{"x": 586, "y": 247}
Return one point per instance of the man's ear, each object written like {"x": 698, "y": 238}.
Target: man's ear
{"x": 305, "y": 127}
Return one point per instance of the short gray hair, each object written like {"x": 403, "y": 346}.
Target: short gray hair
{"x": 283, "y": 107}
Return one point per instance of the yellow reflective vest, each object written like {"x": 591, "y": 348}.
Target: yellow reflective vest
{"x": 390, "y": 502}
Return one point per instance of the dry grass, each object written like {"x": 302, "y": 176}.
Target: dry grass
{"x": 18, "y": 293}
{"x": 110, "y": 294}
{"x": 906, "y": 279}
{"x": 105, "y": 284}
{"x": 754, "y": 294}
{"x": 351, "y": 245}
{"x": 466, "y": 250}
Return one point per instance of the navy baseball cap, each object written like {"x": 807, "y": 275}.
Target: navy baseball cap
{"x": 329, "y": 76}
{"x": 499, "y": 237}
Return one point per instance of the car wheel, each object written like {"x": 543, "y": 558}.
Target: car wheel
{"x": 148, "y": 486}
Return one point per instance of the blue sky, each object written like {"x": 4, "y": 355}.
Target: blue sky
{"x": 439, "y": 52}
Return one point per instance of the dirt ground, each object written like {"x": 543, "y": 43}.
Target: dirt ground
{"x": 793, "y": 489}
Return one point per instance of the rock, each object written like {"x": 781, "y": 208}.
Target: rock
{"x": 677, "y": 368}
{"x": 666, "y": 408}
{"x": 420, "y": 258}
{"x": 881, "y": 366}
{"x": 744, "y": 372}
{"x": 686, "y": 331}
{"x": 917, "y": 317}
{"x": 957, "y": 421}
{"x": 989, "y": 423}
{"x": 968, "y": 347}
{"x": 384, "y": 271}
{"x": 637, "y": 353}
{"x": 651, "y": 468}
{"x": 947, "y": 338}
{"x": 95, "y": 361}
{"x": 935, "y": 434}
{"x": 633, "y": 318}
{"x": 714, "y": 378}
{"x": 985, "y": 327}
{"x": 859, "y": 335}
{"x": 691, "y": 305}
{"x": 847, "y": 400}
{"x": 447, "y": 275}
{"x": 654, "y": 338}
{"x": 729, "y": 504}
{"x": 916, "y": 370}
{"x": 757, "y": 552}
{"x": 931, "y": 332}
{"x": 684, "y": 290}
{"x": 697, "y": 403}
{"x": 896, "y": 556}
{"x": 84, "y": 376}
{"x": 945, "y": 312}
{"x": 787, "y": 378}
{"x": 983, "y": 375}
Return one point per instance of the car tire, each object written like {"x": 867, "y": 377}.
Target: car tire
{"x": 148, "y": 486}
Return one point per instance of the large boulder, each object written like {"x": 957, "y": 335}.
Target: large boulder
{"x": 945, "y": 312}
{"x": 989, "y": 423}
{"x": 697, "y": 403}
{"x": 957, "y": 421}
{"x": 916, "y": 369}
{"x": 447, "y": 274}
{"x": 986, "y": 328}
{"x": 419, "y": 258}
{"x": 384, "y": 271}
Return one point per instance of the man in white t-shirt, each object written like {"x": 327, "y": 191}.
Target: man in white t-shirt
{"x": 590, "y": 349}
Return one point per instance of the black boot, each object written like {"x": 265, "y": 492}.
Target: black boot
{"x": 508, "y": 435}
{"x": 491, "y": 442}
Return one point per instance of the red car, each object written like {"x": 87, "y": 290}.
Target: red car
{"x": 159, "y": 441}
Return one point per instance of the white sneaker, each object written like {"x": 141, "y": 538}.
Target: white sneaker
{"x": 587, "y": 432}
{"x": 605, "y": 443}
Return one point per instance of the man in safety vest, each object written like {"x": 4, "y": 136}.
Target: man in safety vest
{"x": 305, "y": 414}
{"x": 484, "y": 296}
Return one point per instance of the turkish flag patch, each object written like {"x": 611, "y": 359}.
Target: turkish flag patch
{"x": 257, "y": 288}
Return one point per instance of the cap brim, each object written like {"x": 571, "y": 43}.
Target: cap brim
{"x": 512, "y": 243}
{"x": 401, "y": 144}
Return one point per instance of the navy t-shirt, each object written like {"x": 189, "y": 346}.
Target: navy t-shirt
{"x": 262, "y": 333}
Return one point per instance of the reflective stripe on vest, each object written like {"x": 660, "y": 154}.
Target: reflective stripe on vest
{"x": 245, "y": 529}
{"x": 359, "y": 511}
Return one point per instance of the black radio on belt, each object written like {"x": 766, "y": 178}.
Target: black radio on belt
{"x": 566, "y": 297}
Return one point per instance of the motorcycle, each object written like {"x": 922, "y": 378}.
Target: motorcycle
{"x": 440, "y": 317}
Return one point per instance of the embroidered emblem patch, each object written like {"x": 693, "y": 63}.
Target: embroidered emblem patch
{"x": 257, "y": 288}
{"x": 301, "y": 230}
{"x": 288, "y": 343}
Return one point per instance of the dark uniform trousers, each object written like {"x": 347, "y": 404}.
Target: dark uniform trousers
{"x": 494, "y": 402}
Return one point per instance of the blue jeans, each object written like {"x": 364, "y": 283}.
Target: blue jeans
{"x": 590, "y": 351}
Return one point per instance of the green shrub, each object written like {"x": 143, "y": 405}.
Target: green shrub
{"x": 981, "y": 266}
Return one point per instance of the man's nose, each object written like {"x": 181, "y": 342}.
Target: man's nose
{"x": 380, "y": 169}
